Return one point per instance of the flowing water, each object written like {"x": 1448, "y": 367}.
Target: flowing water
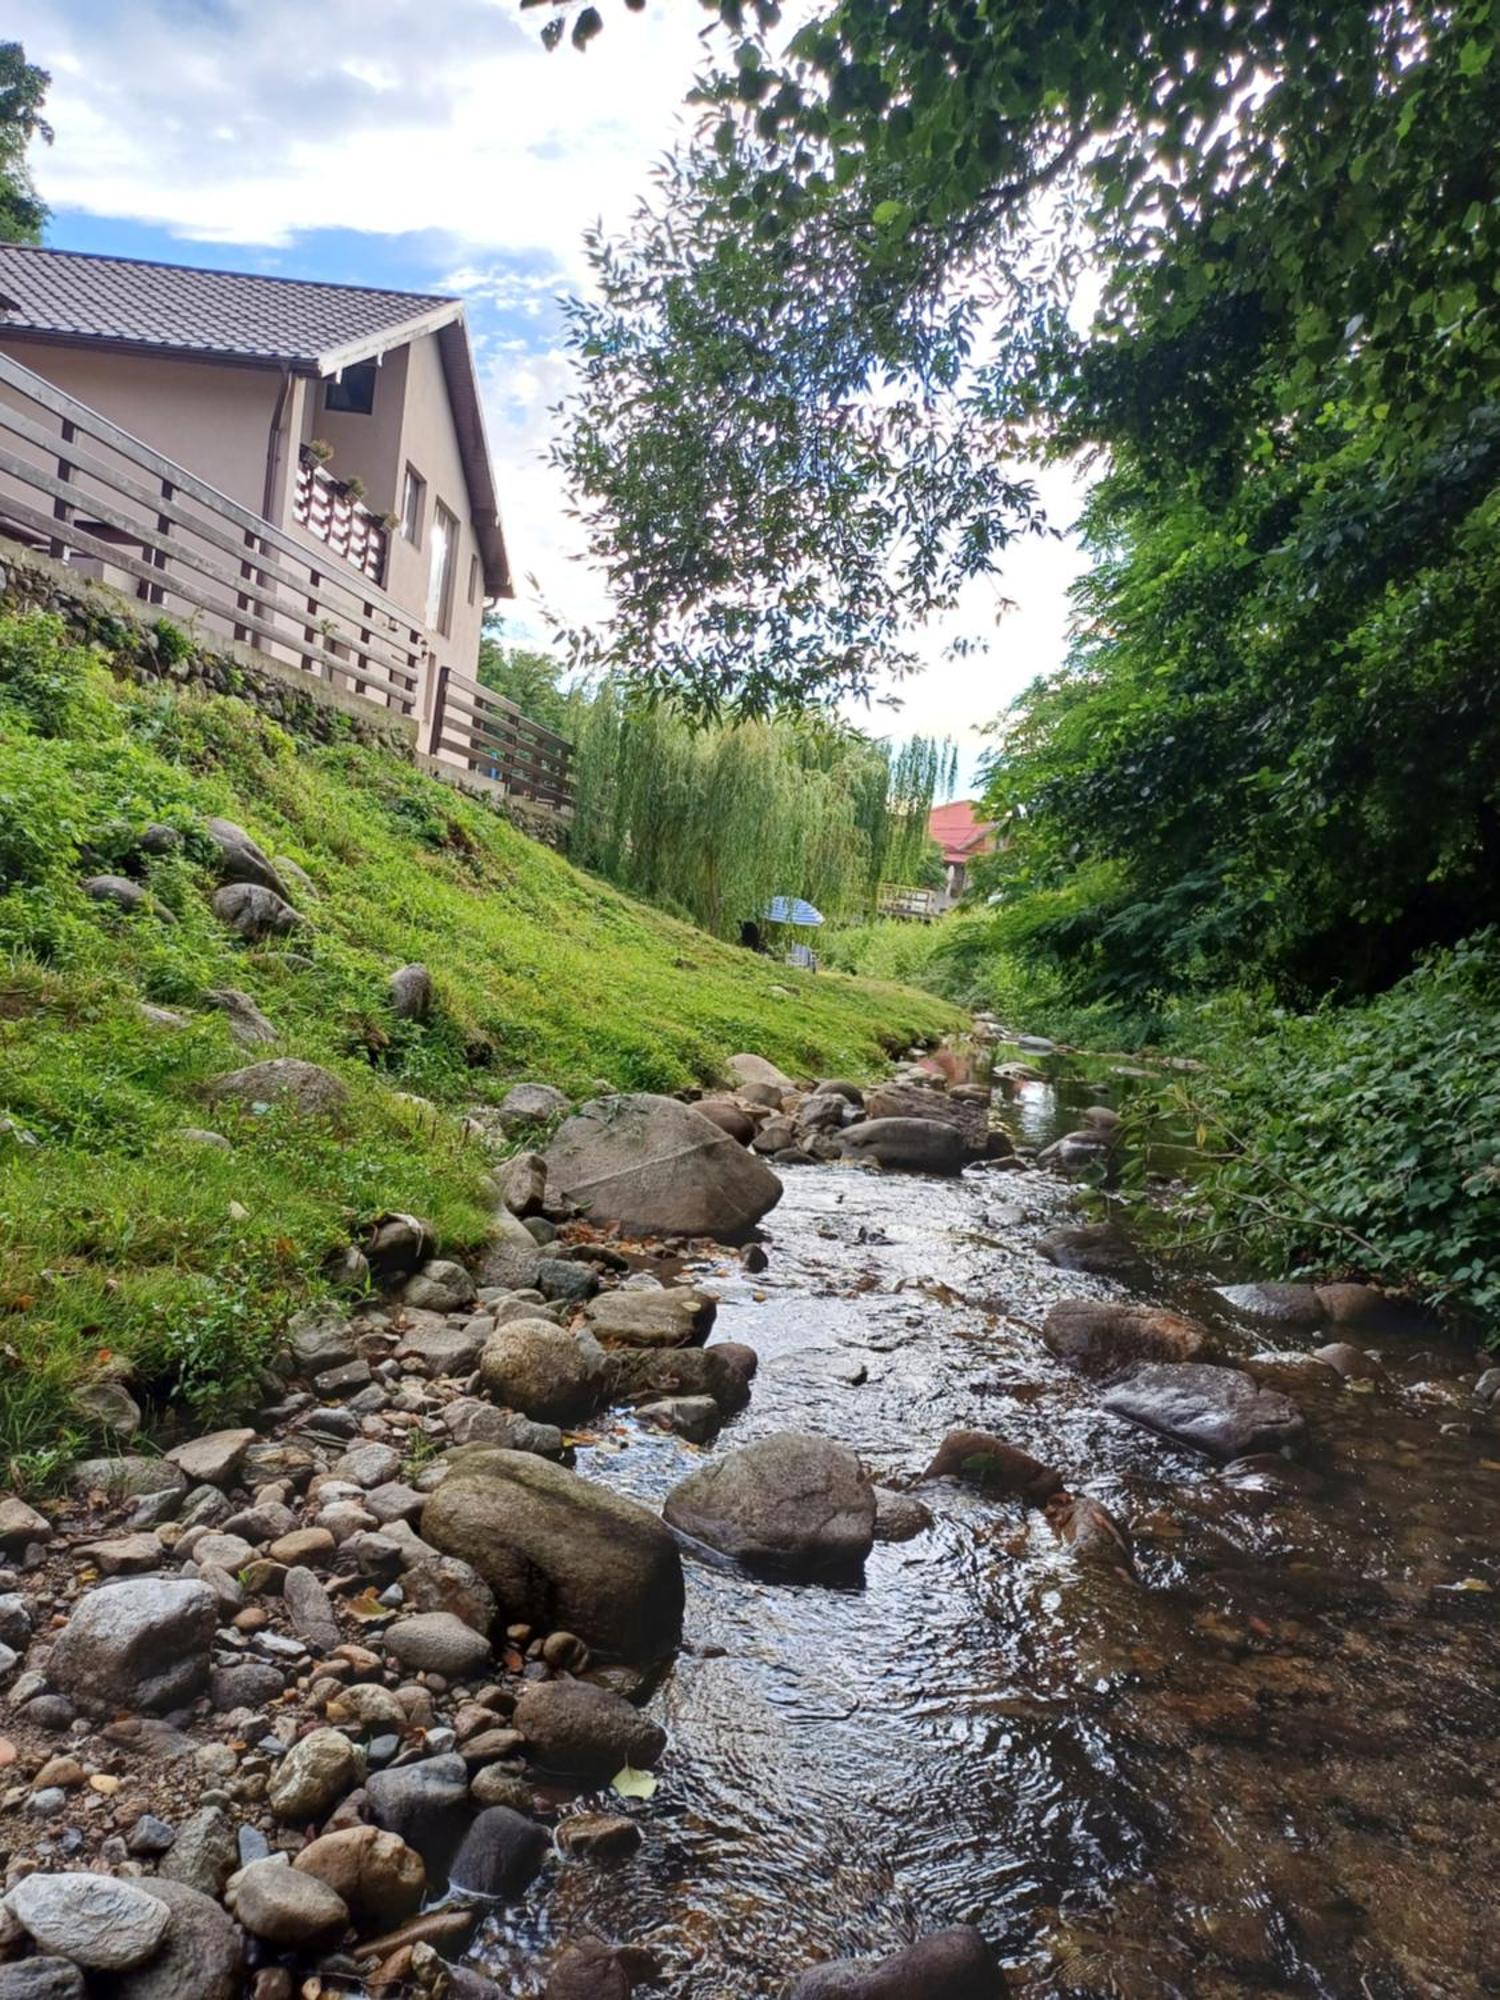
{"x": 1267, "y": 1765}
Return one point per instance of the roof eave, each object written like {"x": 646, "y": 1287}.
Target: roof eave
{"x": 468, "y": 420}
{"x": 373, "y": 345}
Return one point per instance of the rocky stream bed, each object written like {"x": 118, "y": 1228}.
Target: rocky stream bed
{"x": 1013, "y": 1627}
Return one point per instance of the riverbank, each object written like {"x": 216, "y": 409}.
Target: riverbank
{"x": 358, "y": 916}
{"x": 516, "y": 1647}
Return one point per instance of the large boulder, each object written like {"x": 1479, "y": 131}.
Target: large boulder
{"x": 577, "y": 1730}
{"x": 1102, "y": 1336}
{"x": 955, "y": 1964}
{"x": 240, "y": 859}
{"x": 794, "y": 1503}
{"x": 141, "y": 1645}
{"x": 918, "y": 1145}
{"x": 560, "y": 1551}
{"x": 285, "y": 1080}
{"x": 254, "y": 913}
{"x": 546, "y": 1373}
{"x": 1221, "y": 1411}
{"x": 729, "y": 1115}
{"x": 674, "y": 1317}
{"x": 649, "y": 1163}
{"x": 1291, "y": 1306}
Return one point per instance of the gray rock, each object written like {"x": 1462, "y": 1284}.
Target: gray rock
{"x": 444, "y": 1583}
{"x": 286, "y": 1906}
{"x": 522, "y": 1181}
{"x": 20, "y": 1526}
{"x": 500, "y": 1855}
{"x": 411, "y": 993}
{"x": 120, "y": 892}
{"x": 915, "y": 1145}
{"x": 470, "y": 1421}
{"x": 141, "y": 1645}
{"x": 101, "y": 1923}
{"x": 213, "y": 1460}
{"x": 791, "y": 1502}
{"x": 1221, "y": 1411}
{"x": 425, "y": 1803}
{"x": 440, "y": 1286}
{"x": 397, "y": 1244}
{"x": 320, "y": 1339}
{"x": 310, "y": 1609}
{"x": 199, "y": 1135}
{"x": 150, "y": 1835}
{"x": 532, "y": 1104}
{"x": 127, "y": 1478}
{"x": 566, "y": 1280}
{"x": 204, "y": 1854}
{"x": 1098, "y": 1247}
{"x": 438, "y": 1642}
{"x": 547, "y": 1374}
{"x": 578, "y": 1730}
{"x": 247, "y": 1024}
{"x": 284, "y": 1080}
{"x": 110, "y": 1405}
{"x": 945, "y": 1965}
{"x": 15, "y": 1621}
{"x": 375, "y": 1873}
{"x": 899, "y": 1517}
{"x": 443, "y": 1349}
{"x": 240, "y": 859}
{"x": 368, "y": 1465}
{"x": 646, "y": 1374}
{"x": 558, "y": 1550}
{"x": 41, "y": 1979}
{"x": 654, "y": 1165}
{"x": 319, "y": 1770}
{"x": 1290, "y": 1306}
{"x": 696, "y": 1418}
{"x": 253, "y": 913}
{"x": 203, "y": 1957}
{"x": 676, "y": 1316}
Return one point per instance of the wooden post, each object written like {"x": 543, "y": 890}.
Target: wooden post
{"x": 61, "y": 510}
{"x": 439, "y": 704}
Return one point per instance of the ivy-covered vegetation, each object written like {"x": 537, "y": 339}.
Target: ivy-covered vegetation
{"x": 121, "y": 1235}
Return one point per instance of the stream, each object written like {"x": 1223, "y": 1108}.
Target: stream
{"x": 1267, "y": 1765}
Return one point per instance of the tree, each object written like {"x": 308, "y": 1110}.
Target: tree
{"x": 23, "y": 91}
{"x": 851, "y": 298}
{"x": 529, "y": 678}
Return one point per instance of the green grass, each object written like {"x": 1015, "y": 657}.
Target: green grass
{"x": 119, "y": 1239}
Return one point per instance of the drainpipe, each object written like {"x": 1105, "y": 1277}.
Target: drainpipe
{"x": 273, "y": 443}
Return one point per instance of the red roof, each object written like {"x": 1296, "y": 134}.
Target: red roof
{"x": 960, "y": 832}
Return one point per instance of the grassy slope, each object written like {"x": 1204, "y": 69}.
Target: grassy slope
{"x": 118, "y": 1238}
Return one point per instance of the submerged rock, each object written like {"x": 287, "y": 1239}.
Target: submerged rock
{"x": 791, "y": 1502}
{"x": 1100, "y": 1335}
{"x": 988, "y": 1461}
{"x": 1100, "y": 1248}
{"x": 1221, "y": 1411}
{"x": 945, "y": 1965}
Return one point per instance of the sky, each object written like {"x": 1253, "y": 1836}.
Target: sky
{"x": 436, "y": 147}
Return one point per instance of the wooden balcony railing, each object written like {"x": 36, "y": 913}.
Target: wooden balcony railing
{"x": 491, "y": 736}
{"x": 78, "y": 488}
{"x": 324, "y": 506}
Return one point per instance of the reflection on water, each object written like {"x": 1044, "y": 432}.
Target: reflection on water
{"x": 1268, "y": 1767}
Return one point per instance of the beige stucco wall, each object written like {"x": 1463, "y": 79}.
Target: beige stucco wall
{"x": 215, "y": 421}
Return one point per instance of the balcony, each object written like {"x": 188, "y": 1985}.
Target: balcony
{"x": 328, "y": 511}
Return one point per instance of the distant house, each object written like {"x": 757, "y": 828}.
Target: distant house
{"x": 346, "y": 416}
{"x": 963, "y": 837}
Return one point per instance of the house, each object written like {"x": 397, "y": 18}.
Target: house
{"x": 963, "y": 837}
{"x": 346, "y": 416}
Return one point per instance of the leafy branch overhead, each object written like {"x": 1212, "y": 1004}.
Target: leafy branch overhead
{"x": 860, "y": 290}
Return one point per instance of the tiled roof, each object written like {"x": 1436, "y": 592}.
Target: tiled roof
{"x": 958, "y": 830}
{"x": 305, "y": 324}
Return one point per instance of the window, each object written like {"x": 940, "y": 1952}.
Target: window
{"x": 413, "y": 506}
{"x": 473, "y": 579}
{"x": 352, "y": 391}
{"x": 440, "y": 569}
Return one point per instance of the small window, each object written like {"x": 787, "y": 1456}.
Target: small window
{"x": 440, "y": 569}
{"x": 352, "y": 391}
{"x": 413, "y": 505}
{"x": 473, "y": 579}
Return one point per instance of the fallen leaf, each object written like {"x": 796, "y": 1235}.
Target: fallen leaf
{"x": 1473, "y": 1583}
{"x": 366, "y": 1606}
{"x": 632, "y": 1784}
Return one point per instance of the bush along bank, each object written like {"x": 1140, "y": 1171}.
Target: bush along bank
{"x": 274, "y": 1691}
{"x": 187, "y": 890}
